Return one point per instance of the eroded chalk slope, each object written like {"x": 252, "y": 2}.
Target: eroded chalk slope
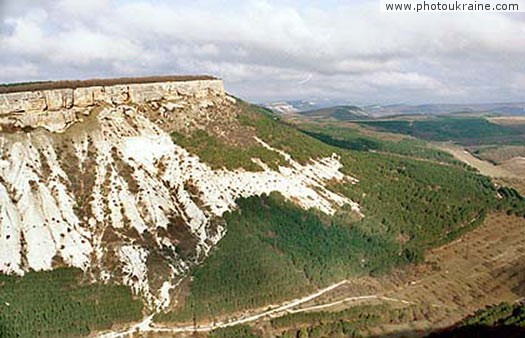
{"x": 113, "y": 195}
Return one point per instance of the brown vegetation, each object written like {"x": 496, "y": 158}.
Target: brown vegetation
{"x": 49, "y": 85}
{"x": 498, "y": 154}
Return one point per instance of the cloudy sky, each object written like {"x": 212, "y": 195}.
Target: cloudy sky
{"x": 269, "y": 50}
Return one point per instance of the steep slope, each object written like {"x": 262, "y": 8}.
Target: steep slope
{"x": 414, "y": 199}
{"x": 90, "y": 178}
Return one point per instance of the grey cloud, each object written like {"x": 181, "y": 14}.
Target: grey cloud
{"x": 264, "y": 51}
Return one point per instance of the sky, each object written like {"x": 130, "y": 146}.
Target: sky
{"x": 268, "y": 50}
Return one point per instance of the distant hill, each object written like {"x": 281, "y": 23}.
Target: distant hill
{"x": 342, "y": 113}
{"x": 295, "y": 106}
{"x": 328, "y": 107}
{"x": 439, "y": 109}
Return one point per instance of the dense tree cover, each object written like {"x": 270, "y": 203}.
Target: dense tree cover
{"x": 511, "y": 202}
{"x": 352, "y": 139}
{"x": 501, "y": 314}
{"x": 347, "y": 138}
{"x": 502, "y": 320}
{"x": 60, "y": 303}
{"x": 422, "y": 203}
{"x": 465, "y": 130}
{"x": 274, "y": 250}
{"x": 364, "y": 313}
{"x": 237, "y": 331}
{"x": 339, "y": 329}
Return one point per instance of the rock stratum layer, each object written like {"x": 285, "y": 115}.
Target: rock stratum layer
{"x": 90, "y": 178}
{"x": 56, "y": 109}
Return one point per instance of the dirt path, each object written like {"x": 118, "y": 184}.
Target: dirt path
{"x": 148, "y": 326}
{"x": 485, "y": 266}
{"x": 349, "y": 300}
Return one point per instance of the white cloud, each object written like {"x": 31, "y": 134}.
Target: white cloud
{"x": 264, "y": 50}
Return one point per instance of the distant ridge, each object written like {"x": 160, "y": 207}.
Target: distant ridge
{"x": 49, "y": 85}
{"x": 341, "y": 113}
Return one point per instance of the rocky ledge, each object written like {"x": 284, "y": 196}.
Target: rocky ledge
{"x": 54, "y": 106}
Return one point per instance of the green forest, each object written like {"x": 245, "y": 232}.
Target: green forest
{"x": 351, "y": 322}
{"x": 413, "y": 198}
{"x": 464, "y": 130}
{"x": 502, "y": 320}
{"x": 274, "y": 250}
{"x": 62, "y": 303}
{"x": 500, "y": 314}
{"x": 352, "y": 139}
{"x": 236, "y": 331}
{"x": 348, "y": 323}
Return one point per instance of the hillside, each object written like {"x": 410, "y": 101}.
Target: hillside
{"x": 517, "y": 109}
{"x": 298, "y": 107}
{"x": 464, "y": 130}
{"x": 90, "y": 178}
{"x": 205, "y": 206}
{"x": 338, "y": 113}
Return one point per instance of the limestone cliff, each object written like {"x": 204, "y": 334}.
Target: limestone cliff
{"x": 90, "y": 177}
{"x": 56, "y": 109}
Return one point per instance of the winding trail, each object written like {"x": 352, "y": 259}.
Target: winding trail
{"x": 147, "y": 325}
{"x": 348, "y": 300}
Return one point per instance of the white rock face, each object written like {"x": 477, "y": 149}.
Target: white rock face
{"x": 51, "y": 109}
{"x": 116, "y": 197}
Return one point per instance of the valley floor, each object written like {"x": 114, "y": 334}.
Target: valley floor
{"x": 485, "y": 266}
{"x": 510, "y": 172}
{"x": 484, "y": 167}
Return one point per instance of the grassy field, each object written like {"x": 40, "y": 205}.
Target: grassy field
{"x": 61, "y": 303}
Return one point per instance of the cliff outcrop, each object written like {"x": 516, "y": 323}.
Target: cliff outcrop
{"x": 57, "y": 108}
{"x": 91, "y": 178}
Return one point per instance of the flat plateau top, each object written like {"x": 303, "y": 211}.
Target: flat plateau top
{"x": 49, "y": 85}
